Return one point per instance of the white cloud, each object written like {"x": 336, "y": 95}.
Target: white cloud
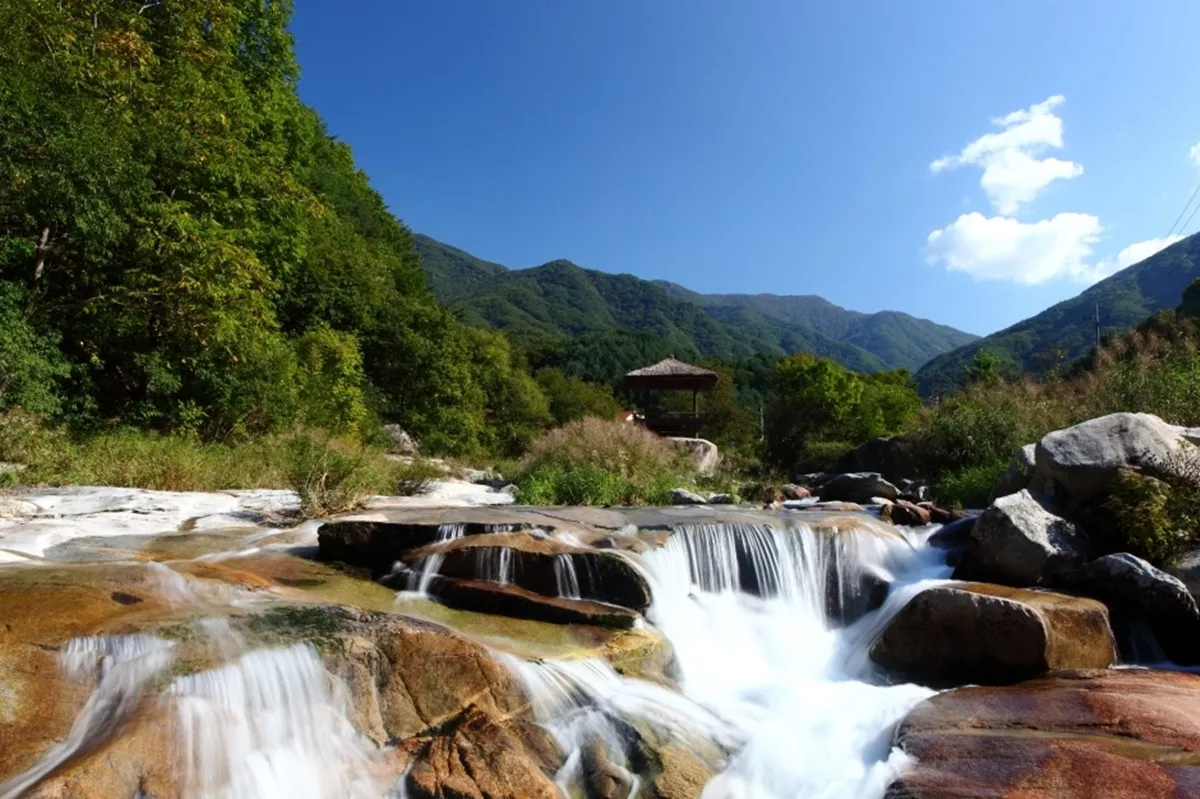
{"x": 1134, "y": 253}
{"x": 1001, "y": 248}
{"x": 1194, "y": 154}
{"x": 1012, "y": 172}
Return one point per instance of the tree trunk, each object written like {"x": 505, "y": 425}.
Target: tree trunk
{"x": 43, "y": 249}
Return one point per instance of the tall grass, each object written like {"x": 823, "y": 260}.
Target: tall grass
{"x": 330, "y": 473}
{"x": 599, "y": 462}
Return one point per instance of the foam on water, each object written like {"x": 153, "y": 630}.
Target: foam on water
{"x": 764, "y": 667}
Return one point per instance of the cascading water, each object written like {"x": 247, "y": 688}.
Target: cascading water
{"x": 494, "y": 564}
{"x": 565, "y": 578}
{"x": 270, "y": 725}
{"x": 765, "y": 670}
{"x": 420, "y": 580}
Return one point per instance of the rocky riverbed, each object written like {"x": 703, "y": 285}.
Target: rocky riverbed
{"x": 160, "y": 645}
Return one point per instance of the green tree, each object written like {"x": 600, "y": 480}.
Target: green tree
{"x": 570, "y": 398}
{"x": 1190, "y": 306}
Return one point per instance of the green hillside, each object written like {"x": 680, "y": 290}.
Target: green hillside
{"x": 1066, "y": 331}
{"x": 561, "y": 300}
{"x": 897, "y": 339}
{"x": 452, "y": 272}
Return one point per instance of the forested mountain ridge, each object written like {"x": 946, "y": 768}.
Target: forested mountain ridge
{"x": 897, "y": 338}
{"x": 562, "y": 299}
{"x": 1066, "y": 331}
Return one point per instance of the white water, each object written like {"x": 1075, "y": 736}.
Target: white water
{"x": 429, "y": 567}
{"x": 565, "y": 578}
{"x": 270, "y": 725}
{"x": 769, "y": 677}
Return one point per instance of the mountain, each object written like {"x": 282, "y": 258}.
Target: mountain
{"x": 560, "y": 299}
{"x": 897, "y": 339}
{"x": 452, "y": 272}
{"x": 1124, "y": 299}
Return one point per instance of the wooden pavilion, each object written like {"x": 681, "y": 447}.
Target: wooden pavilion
{"x": 670, "y": 374}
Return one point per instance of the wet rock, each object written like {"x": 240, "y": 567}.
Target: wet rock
{"x": 857, "y": 487}
{"x": 953, "y": 538}
{"x": 476, "y": 757}
{"x": 603, "y": 778}
{"x": 518, "y": 603}
{"x": 813, "y": 480}
{"x": 534, "y": 565}
{"x": 1017, "y": 542}
{"x": 1128, "y": 583}
{"x": 1084, "y": 460}
{"x": 991, "y": 634}
{"x": 678, "y": 773}
{"x": 1118, "y": 734}
{"x": 906, "y": 514}
{"x": 720, "y": 499}
{"x": 681, "y": 496}
{"x": 939, "y": 515}
{"x": 1018, "y": 474}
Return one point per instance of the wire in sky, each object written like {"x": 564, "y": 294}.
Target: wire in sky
{"x": 1189, "y": 219}
{"x": 1171, "y": 232}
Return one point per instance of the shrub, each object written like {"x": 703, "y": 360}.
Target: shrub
{"x": 600, "y": 462}
{"x": 415, "y": 477}
{"x": 971, "y": 486}
{"x": 332, "y": 475}
{"x": 1154, "y": 514}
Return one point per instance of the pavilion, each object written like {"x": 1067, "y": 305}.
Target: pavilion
{"x": 670, "y": 374}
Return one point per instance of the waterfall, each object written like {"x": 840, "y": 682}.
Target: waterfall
{"x": 419, "y": 580}
{"x": 494, "y": 564}
{"x": 565, "y": 577}
{"x": 272, "y": 724}
{"x": 768, "y": 668}
{"x": 121, "y": 666}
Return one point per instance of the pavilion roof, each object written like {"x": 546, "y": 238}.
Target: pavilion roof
{"x": 671, "y": 373}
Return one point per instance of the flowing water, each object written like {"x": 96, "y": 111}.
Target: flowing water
{"x": 774, "y": 690}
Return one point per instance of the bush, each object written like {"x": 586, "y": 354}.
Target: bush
{"x": 332, "y": 475}
{"x": 415, "y": 477}
{"x": 600, "y": 462}
{"x": 971, "y": 486}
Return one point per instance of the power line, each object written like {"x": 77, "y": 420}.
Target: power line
{"x": 1189, "y": 219}
{"x": 1171, "y": 232}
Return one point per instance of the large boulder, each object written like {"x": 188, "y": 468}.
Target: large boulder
{"x": 1018, "y": 542}
{"x": 978, "y": 633}
{"x": 1131, "y": 585}
{"x": 403, "y": 443}
{"x": 894, "y": 458}
{"x": 859, "y": 487}
{"x": 705, "y": 455}
{"x": 1117, "y": 734}
{"x": 905, "y": 513}
{"x": 1018, "y": 474}
{"x": 1083, "y": 460}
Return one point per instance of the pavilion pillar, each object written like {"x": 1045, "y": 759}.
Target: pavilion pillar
{"x": 695, "y": 403}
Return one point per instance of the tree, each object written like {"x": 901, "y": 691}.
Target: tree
{"x": 1190, "y": 306}
{"x": 571, "y": 398}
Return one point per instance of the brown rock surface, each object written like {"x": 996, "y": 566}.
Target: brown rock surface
{"x": 978, "y": 633}
{"x": 1112, "y": 734}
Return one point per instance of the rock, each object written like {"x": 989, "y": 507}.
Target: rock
{"x": 720, "y": 499}
{"x": 857, "y": 487}
{"x": 519, "y": 603}
{"x": 679, "y": 773}
{"x": 913, "y": 491}
{"x": 1083, "y": 460}
{"x": 939, "y": 515}
{"x": 905, "y": 513}
{"x": 402, "y": 442}
{"x": 1128, "y": 583}
{"x": 1017, "y": 475}
{"x": 1017, "y": 542}
{"x": 705, "y": 455}
{"x": 1116, "y": 734}
{"x": 793, "y": 491}
{"x": 879, "y": 502}
{"x": 1187, "y": 570}
{"x": 813, "y": 480}
{"x": 534, "y": 565}
{"x": 477, "y": 757}
{"x": 894, "y": 458}
{"x": 604, "y": 779}
{"x": 953, "y": 538}
{"x": 991, "y": 634}
{"x": 681, "y": 496}
{"x": 828, "y": 507}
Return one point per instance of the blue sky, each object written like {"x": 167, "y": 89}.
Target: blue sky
{"x": 775, "y": 145}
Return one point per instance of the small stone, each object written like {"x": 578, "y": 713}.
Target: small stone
{"x": 681, "y": 496}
